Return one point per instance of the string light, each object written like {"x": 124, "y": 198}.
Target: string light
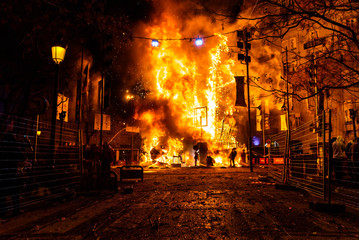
{"x": 155, "y": 43}
{"x": 199, "y": 41}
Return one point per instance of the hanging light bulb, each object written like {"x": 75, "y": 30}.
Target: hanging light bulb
{"x": 199, "y": 41}
{"x": 155, "y": 43}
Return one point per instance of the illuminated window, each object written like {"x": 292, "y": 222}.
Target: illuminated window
{"x": 297, "y": 119}
{"x": 62, "y": 106}
{"x": 200, "y": 117}
{"x": 283, "y": 122}
{"x": 293, "y": 43}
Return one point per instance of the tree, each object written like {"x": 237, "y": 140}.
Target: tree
{"x": 334, "y": 55}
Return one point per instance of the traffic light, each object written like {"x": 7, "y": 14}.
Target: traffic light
{"x": 241, "y": 57}
{"x": 243, "y": 44}
{"x": 243, "y": 34}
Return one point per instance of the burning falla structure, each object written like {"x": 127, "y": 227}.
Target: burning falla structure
{"x": 192, "y": 89}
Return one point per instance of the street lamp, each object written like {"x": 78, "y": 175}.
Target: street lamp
{"x": 58, "y": 55}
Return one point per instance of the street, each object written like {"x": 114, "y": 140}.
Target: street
{"x": 187, "y": 203}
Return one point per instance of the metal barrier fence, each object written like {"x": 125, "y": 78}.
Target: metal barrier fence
{"x": 31, "y": 171}
{"x": 276, "y": 156}
{"x": 345, "y": 169}
{"x": 306, "y": 164}
{"x": 312, "y": 162}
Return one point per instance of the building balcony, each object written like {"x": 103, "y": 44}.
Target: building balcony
{"x": 314, "y": 43}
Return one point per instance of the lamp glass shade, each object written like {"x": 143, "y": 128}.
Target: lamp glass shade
{"x": 58, "y": 54}
{"x": 155, "y": 43}
{"x": 199, "y": 41}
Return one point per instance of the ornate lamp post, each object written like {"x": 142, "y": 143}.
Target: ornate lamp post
{"x": 58, "y": 55}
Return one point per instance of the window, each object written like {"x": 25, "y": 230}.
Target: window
{"x": 293, "y": 43}
{"x": 283, "y": 122}
{"x": 287, "y": 3}
{"x": 62, "y": 107}
{"x": 314, "y": 35}
{"x": 292, "y": 67}
{"x": 297, "y": 119}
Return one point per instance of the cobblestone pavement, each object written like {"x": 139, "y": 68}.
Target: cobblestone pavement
{"x": 187, "y": 203}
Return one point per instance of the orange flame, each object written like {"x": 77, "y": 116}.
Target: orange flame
{"x": 195, "y": 90}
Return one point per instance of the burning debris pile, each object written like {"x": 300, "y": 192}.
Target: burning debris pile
{"x": 192, "y": 89}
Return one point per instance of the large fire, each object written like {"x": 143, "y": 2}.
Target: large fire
{"x": 192, "y": 94}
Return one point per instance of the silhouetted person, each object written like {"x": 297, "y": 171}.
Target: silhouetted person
{"x": 348, "y": 152}
{"x": 338, "y": 158}
{"x": 93, "y": 158}
{"x": 232, "y": 156}
{"x": 349, "y": 161}
{"x": 331, "y": 155}
{"x": 210, "y": 161}
{"x": 243, "y": 155}
{"x": 106, "y": 159}
{"x": 196, "y": 154}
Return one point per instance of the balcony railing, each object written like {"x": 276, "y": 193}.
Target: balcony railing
{"x": 314, "y": 43}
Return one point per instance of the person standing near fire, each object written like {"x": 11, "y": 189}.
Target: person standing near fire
{"x": 232, "y": 156}
{"x": 107, "y": 157}
{"x": 243, "y": 154}
{"x": 196, "y": 154}
{"x": 338, "y": 158}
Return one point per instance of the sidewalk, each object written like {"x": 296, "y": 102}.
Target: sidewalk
{"x": 187, "y": 203}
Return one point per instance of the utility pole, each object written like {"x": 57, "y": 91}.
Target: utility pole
{"x": 249, "y": 103}
{"x": 263, "y": 130}
{"x": 316, "y": 102}
{"x": 287, "y": 154}
{"x": 245, "y": 35}
{"x": 79, "y": 93}
{"x": 58, "y": 55}
{"x": 54, "y": 113}
{"x": 102, "y": 99}
{"x": 320, "y": 150}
